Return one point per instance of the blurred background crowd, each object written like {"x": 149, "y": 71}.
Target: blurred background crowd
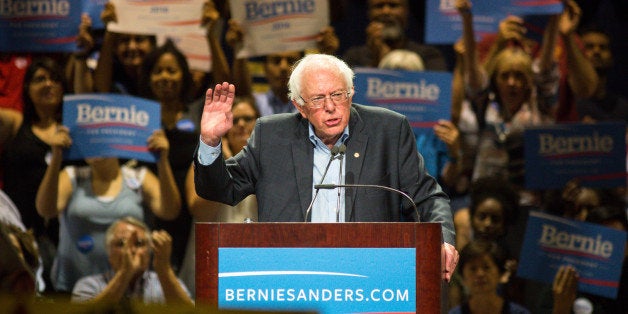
{"x": 85, "y": 231}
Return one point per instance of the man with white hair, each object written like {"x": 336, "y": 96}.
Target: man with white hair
{"x": 287, "y": 155}
{"x": 129, "y": 243}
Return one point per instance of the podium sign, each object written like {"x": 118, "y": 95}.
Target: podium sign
{"x": 326, "y": 280}
{"x": 323, "y": 267}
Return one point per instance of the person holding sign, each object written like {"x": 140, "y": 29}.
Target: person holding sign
{"x": 166, "y": 78}
{"x": 277, "y": 67}
{"x": 508, "y": 97}
{"x": 88, "y": 199}
{"x": 440, "y": 148}
{"x": 119, "y": 59}
{"x": 564, "y": 296}
{"x": 287, "y": 153}
{"x": 78, "y": 73}
{"x": 577, "y": 79}
{"x": 122, "y": 53}
{"x": 511, "y": 93}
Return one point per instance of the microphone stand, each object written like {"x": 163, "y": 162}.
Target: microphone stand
{"x": 341, "y": 154}
{"x": 334, "y": 151}
{"x": 333, "y": 186}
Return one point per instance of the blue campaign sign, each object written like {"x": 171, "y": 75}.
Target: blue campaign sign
{"x": 423, "y": 97}
{"x": 596, "y": 252}
{"x": 110, "y": 125}
{"x": 595, "y": 154}
{"x": 93, "y": 8}
{"x": 532, "y": 7}
{"x": 443, "y": 24}
{"x": 45, "y": 26}
{"x": 326, "y": 280}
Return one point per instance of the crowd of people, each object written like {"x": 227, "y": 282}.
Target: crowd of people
{"x": 104, "y": 229}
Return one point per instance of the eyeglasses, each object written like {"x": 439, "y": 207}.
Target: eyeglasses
{"x": 319, "y": 101}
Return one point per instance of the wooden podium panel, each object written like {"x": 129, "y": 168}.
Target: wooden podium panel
{"x": 424, "y": 237}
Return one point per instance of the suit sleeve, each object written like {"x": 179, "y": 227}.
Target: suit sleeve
{"x": 228, "y": 181}
{"x": 432, "y": 203}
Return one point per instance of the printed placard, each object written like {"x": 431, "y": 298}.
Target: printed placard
{"x": 443, "y": 24}
{"x": 272, "y": 26}
{"x": 595, "y": 251}
{"x": 423, "y": 97}
{"x": 595, "y": 154}
{"x": 156, "y": 16}
{"x": 325, "y": 280}
{"x": 94, "y": 8}
{"x": 110, "y": 125}
{"x": 37, "y": 27}
{"x": 178, "y": 20}
{"x": 193, "y": 45}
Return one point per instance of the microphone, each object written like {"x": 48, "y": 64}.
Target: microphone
{"x": 334, "y": 186}
{"x": 341, "y": 153}
{"x": 341, "y": 150}
{"x": 334, "y": 151}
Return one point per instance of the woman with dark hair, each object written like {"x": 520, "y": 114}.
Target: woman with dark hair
{"x": 154, "y": 82}
{"x": 119, "y": 58}
{"x": 493, "y": 209}
{"x": 122, "y": 54}
{"x": 26, "y": 151}
{"x": 129, "y": 49}
{"x": 482, "y": 264}
{"x": 166, "y": 78}
{"x": 88, "y": 199}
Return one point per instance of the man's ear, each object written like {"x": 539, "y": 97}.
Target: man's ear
{"x": 300, "y": 108}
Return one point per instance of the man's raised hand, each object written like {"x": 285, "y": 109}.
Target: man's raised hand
{"x": 217, "y": 118}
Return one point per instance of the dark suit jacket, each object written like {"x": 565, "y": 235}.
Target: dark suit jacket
{"x": 276, "y": 166}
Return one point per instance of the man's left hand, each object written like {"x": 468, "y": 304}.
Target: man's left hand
{"x": 449, "y": 260}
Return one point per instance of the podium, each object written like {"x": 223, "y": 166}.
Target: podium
{"x": 424, "y": 238}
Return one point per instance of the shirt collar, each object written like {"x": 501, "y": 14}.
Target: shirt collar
{"x": 318, "y": 142}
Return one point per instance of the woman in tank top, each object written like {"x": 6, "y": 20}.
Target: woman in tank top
{"x": 88, "y": 199}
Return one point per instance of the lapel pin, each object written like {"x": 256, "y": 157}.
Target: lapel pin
{"x": 356, "y": 155}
